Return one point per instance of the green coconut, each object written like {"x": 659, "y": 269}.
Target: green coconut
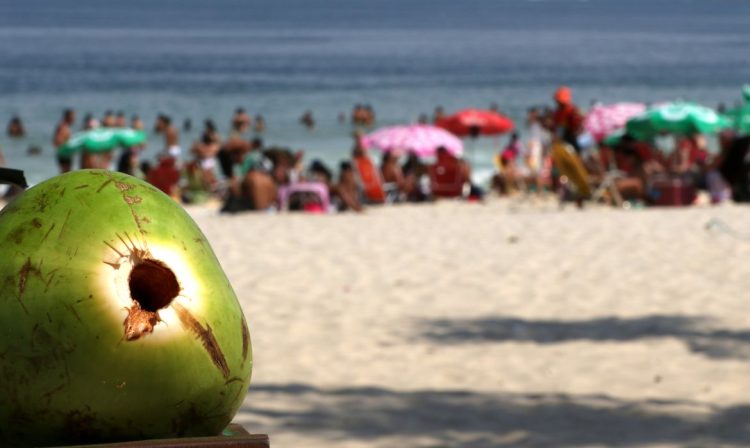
{"x": 117, "y": 321}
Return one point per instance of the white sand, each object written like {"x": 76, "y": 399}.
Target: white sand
{"x": 488, "y": 325}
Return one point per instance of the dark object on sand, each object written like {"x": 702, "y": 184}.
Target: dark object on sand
{"x": 235, "y": 436}
{"x": 13, "y": 177}
{"x": 736, "y": 171}
{"x": 34, "y": 150}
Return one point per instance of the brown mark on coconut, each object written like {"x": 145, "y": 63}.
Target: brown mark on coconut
{"x": 36, "y": 223}
{"x": 122, "y": 186}
{"x": 245, "y": 339}
{"x": 206, "y": 336}
{"x": 104, "y": 184}
{"x": 49, "y": 231}
{"x": 23, "y": 276}
{"x": 231, "y": 380}
{"x": 81, "y": 186}
{"x": 50, "y": 276}
{"x": 130, "y": 200}
{"x": 65, "y": 223}
{"x": 17, "y": 234}
{"x": 42, "y": 201}
{"x": 135, "y": 252}
{"x": 139, "y": 322}
{"x": 73, "y": 311}
{"x": 48, "y": 395}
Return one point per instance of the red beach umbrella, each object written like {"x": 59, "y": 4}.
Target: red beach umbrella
{"x": 475, "y": 122}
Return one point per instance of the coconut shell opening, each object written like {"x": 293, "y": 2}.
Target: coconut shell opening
{"x": 153, "y": 285}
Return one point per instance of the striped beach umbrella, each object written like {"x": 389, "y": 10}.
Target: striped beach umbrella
{"x": 603, "y": 120}
{"x": 423, "y": 140}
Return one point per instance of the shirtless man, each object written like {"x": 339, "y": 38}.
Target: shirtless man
{"x": 120, "y": 120}
{"x": 62, "y": 134}
{"x": 108, "y": 121}
{"x": 241, "y": 121}
{"x": 171, "y": 136}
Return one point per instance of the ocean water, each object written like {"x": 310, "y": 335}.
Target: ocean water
{"x": 199, "y": 59}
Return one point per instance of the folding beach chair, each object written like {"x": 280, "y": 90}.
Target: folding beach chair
{"x": 374, "y": 190}
{"x": 311, "y": 197}
{"x": 579, "y": 183}
{"x": 13, "y": 177}
{"x": 447, "y": 178}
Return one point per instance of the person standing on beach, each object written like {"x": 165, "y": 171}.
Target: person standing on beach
{"x": 137, "y": 123}
{"x": 567, "y": 120}
{"x": 108, "y": 121}
{"x": 61, "y": 136}
{"x": 171, "y": 136}
{"x": 537, "y": 140}
{"x": 120, "y": 120}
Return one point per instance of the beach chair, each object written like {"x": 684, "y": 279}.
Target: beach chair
{"x": 13, "y": 177}
{"x": 518, "y": 183}
{"x": 374, "y": 190}
{"x": 16, "y": 181}
{"x": 447, "y": 178}
{"x": 311, "y": 197}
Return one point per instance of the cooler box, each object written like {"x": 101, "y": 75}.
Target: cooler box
{"x": 673, "y": 192}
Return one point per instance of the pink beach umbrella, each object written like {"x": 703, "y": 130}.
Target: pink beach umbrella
{"x": 423, "y": 140}
{"x": 603, "y": 120}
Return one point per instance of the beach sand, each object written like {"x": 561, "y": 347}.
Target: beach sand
{"x": 502, "y": 324}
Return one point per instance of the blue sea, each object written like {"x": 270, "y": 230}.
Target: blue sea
{"x": 199, "y": 59}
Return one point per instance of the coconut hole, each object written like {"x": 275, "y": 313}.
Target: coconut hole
{"x": 153, "y": 285}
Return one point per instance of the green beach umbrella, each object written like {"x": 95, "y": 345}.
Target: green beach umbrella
{"x": 614, "y": 138}
{"x": 681, "y": 118}
{"x": 130, "y": 137}
{"x": 740, "y": 118}
{"x": 101, "y": 140}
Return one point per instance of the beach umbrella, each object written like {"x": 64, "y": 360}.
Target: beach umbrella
{"x": 603, "y": 120}
{"x": 681, "y": 118}
{"x": 613, "y": 139}
{"x": 740, "y": 116}
{"x": 130, "y": 137}
{"x": 476, "y": 122}
{"x": 423, "y": 140}
{"x": 101, "y": 140}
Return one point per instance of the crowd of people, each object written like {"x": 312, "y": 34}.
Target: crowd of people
{"x": 639, "y": 170}
{"x": 240, "y": 170}
{"x": 245, "y": 174}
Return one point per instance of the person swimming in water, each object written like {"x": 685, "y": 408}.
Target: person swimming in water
{"x": 15, "y": 128}
{"x": 307, "y": 120}
{"x": 259, "y": 126}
